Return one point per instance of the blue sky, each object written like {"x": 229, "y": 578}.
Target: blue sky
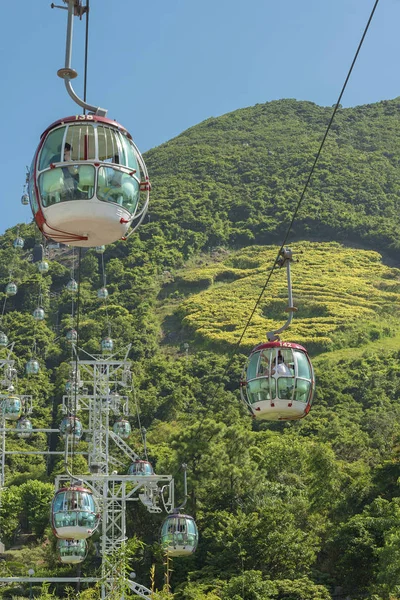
{"x": 160, "y": 67}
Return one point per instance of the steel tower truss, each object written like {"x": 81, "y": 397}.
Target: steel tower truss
{"x": 96, "y": 384}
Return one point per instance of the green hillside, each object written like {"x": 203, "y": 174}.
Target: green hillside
{"x": 306, "y": 510}
{"x": 333, "y": 288}
{"x": 235, "y": 180}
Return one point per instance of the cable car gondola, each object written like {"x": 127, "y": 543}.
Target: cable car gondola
{"x": 278, "y": 381}
{"x": 142, "y": 468}
{"x": 179, "y": 535}
{"x": 18, "y": 243}
{"x": 85, "y": 181}
{"x": 72, "y": 286}
{"x": 12, "y": 408}
{"x": 43, "y": 266}
{"x": 24, "y": 428}
{"x": 73, "y": 513}
{"x": 122, "y": 427}
{"x": 71, "y": 336}
{"x": 102, "y": 293}
{"x": 107, "y": 345}
{"x": 71, "y": 426}
{"x": 72, "y": 552}
{"x": 11, "y": 289}
{"x": 32, "y": 367}
{"x": 38, "y": 314}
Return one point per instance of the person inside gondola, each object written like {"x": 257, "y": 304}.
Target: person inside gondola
{"x": 281, "y": 368}
{"x": 66, "y": 157}
{"x": 70, "y": 175}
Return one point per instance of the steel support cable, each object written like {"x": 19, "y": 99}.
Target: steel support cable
{"x": 78, "y": 299}
{"x": 86, "y": 54}
{"x": 299, "y": 203}
{"x": 4, "y": 308}
{"x": 104, "y": 280}
{"x": 75, "y": 375}
{"x": 142, "y": 433}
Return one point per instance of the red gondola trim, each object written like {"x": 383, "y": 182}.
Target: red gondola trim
{"x": 81, "y": 121}
{"x": 278, "y": 344}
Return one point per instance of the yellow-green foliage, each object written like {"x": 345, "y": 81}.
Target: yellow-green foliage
{"x": 334, "y": 288}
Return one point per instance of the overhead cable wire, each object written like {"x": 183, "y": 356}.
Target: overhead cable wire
{"x": 300, "y": 201}
{"x": 86, "y": 53}
{"x": 104, "y": 280}
{"x": 141, "y": 429}
{"x": 303, "y": 193}
{"x": 75, "y": 382}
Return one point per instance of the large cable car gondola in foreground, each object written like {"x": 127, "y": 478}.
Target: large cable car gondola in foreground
{"x": 278, "y": 381}
{"x": 85, "y": 181}
{"x": 73, "y": 513}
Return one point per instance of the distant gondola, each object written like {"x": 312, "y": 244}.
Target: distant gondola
{"x": 72, "y": 552}
{"x": 141, "y": 468}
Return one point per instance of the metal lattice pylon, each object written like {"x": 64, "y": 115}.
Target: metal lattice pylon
{"x": 95, "y": 390}
{"x": 95, "y": 383}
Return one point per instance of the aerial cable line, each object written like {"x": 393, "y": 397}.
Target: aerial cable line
{"x": 78, "y": 299}
{"x": 86, "y": 54}
{"x": 75, "y": 377}
{"x": 299, "y": 203}
{"x": 141, "y": 429}
{"x": 104, "y": 280}
{"x": 303, "y": 193}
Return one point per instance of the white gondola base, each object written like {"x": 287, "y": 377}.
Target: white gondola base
{"x": 279, "y": 410}
{"x": 99, "y": 222}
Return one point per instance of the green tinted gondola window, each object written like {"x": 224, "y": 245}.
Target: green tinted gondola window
{"x": 51, "y": 149}
{"x": 303, "y": 367}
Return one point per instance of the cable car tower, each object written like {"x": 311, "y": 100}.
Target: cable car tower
{"x": 100, "y": 386}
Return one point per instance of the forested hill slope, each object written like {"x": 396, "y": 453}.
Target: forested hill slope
{"x": 305, "y": 510}
{"x": 236, "y": 179}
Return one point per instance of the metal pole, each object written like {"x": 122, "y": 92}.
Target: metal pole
{"x": 70, "y": 30}
{"x": 286, "y": 257}
{"x": 67, "y": 72}
{"x": 31, "y": 572}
